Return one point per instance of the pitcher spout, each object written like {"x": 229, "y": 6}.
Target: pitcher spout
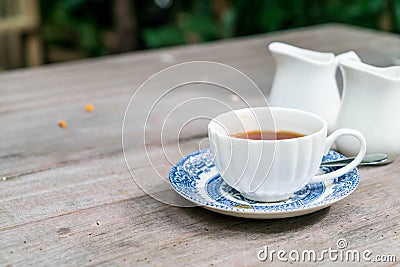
{"x": 314, "y": 57}
{"x": 358, "y": 68}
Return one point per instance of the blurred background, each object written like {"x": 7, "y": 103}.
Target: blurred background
{"x": 35, "y": 32}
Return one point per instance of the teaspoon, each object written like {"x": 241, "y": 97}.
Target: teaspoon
{"x": 369, "y": 159}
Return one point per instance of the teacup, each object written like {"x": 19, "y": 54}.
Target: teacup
{"x": 272, "y": 170}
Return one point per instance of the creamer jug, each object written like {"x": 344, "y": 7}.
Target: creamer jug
{"x": 370, "y": 104}
{"x": 306, "y": 80}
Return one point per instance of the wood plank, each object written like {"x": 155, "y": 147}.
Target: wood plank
{"x": 142, "y": 231}
{"x": 76, "y": 185}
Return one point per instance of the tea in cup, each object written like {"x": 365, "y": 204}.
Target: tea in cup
{"x": 269, "y": 153}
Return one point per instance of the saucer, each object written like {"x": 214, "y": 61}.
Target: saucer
{"x": 196, "y": 178}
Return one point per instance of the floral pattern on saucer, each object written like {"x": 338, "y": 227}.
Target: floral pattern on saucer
{"x": 195, "y": 177}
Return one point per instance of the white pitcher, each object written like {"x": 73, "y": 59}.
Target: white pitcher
{"x": 306, "y": 80}
{"x": 370, "y": 104}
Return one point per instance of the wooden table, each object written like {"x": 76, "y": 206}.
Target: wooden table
{"x": 67, "y": 197}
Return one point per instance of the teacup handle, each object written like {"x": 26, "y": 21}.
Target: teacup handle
{"x": 329, "y": 142}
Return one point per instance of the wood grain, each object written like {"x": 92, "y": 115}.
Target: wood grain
{"x": 69, "y": 199}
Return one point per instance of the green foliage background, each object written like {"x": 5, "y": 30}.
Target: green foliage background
{"x": 85, "y": 24}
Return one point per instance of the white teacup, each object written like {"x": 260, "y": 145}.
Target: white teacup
{"x": 272, "y": 170}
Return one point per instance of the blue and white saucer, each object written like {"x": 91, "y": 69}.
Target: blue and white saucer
{"x": 196, "y": 178}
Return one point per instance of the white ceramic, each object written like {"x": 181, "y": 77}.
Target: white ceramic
{"x": 196, "y": 179}
{"x": 370, "y": 104}
{"x": 272, "y": 170}
{"x": 306, "y": 80}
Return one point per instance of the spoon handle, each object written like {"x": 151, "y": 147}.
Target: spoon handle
{"x": 369, "y": 159}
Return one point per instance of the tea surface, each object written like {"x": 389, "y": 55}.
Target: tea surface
{"x": 267, "y": 135}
